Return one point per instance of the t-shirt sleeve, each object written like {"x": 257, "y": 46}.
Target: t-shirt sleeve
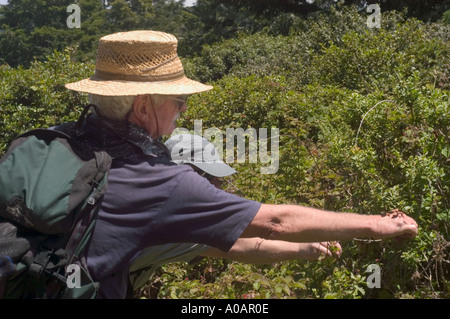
{"x": 199, "y": 212}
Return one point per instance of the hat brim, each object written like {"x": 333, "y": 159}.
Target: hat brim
{"x": 218, "y": 168}
{"x": 179, "y": 86}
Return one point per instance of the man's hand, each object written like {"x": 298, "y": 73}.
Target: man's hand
{"x": 313, "y": 251}
{"x": 395, "y": 224}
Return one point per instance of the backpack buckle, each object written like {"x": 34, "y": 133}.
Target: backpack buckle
{"x": 49, "y": 262}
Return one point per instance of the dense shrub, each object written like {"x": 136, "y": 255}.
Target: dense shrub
{"x": 364, "y": 127}
{"x": 337, "y": 49}
{"x": 364, "y": 121}
{"x": 36, "y": 96}
{"x": 347, "y": 151}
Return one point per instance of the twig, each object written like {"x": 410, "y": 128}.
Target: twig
{"x": 365, "y": 114}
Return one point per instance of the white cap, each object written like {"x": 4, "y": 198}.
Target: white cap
{"x": 198, "y": 151}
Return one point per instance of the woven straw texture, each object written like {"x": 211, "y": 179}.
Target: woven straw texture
{"x": 138, "y": 62}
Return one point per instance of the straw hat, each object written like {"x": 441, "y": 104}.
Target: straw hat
{"x": 138, "y": 62}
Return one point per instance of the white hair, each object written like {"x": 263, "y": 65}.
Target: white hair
{"x": 118, "y": 107}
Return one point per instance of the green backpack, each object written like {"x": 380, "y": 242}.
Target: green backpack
{"x": 51, "y": 187}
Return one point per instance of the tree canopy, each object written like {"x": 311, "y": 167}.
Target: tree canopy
{"x": 31, "y": 29}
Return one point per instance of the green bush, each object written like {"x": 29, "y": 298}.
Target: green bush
{"x": 364, "y": 121}
{"x": 345, "y": 150}
{"x": 364, "y": 127}
{"x": 336, "y": 49}
{"x": 36, "y": 96}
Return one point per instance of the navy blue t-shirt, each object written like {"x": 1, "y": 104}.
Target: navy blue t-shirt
{"x": 152, "y": 201}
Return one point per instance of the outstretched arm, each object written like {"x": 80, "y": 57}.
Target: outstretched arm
{"x": 262, "y": 251}
{"x": 304, "y": 224}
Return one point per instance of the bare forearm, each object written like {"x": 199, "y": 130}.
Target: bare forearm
{"x": 305, "y": 224}
{"x": 262, "y": 251}
{"x": 259, "y": 251}
{"x": 313, "y": 225}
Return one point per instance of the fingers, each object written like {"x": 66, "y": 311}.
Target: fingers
{"x": 399, "y": 225}
{"x": 410, "y": 227}
{"x": 410, "y": 231}
{"x": 328, "y": 249}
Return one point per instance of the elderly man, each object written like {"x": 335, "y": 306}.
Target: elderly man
{"x": 140, "y": 89}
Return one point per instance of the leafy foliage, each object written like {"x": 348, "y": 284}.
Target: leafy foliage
{"x": 364, "y": 125}
{"x": 363, "y": 122}
{"x": 36, "y": 97}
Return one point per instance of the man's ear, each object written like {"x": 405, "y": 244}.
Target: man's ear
{"x": 140, "y": 110}
{"x": 140, "y": 114}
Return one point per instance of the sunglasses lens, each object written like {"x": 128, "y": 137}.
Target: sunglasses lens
{"x": 181, "y": 100}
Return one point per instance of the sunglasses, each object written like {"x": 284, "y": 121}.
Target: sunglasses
{"x": 209, "y": 177}
{"x": 181, "y": 100}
